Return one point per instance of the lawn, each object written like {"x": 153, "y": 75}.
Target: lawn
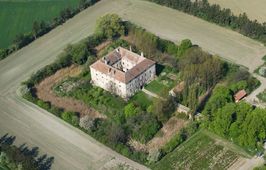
{"x": 156, "y": 87}
{"x": 141, "y": 99}
{"x": 200, "y": 152}
{"x": 17, "y": 16}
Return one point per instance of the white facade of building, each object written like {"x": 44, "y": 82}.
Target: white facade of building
{"x": 122, "y": 72}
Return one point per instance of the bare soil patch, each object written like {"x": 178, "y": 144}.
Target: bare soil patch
{"x": 45, "y": 92}
{"x": 169, "y": 129}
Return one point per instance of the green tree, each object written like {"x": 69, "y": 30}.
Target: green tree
{"x": 67, "y": 116}
{"x": 220, "y": 96}
{"x": 223, "y": 119}
{"x": 110, "y": 26}
{"x": 131, "y": 110}
{"x": 184, "y": 45}
{"x": 163, "y": 109}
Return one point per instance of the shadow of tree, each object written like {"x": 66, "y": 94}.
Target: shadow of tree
{"x": 40, "y": 162}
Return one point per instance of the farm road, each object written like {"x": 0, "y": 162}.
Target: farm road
{"x": 72, "y": 148}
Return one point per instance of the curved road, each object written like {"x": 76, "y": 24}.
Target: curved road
{"x": 72, "y": 148}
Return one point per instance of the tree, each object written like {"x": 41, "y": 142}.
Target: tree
{"x": 220, "y": 96}
{"x": 116, "y": 134}
{"x": 79, "y": 53}
{"x": 184, "y": 45}
{"x": 163, "y": 109}
{"x": 110, "y": 26}
{"x": 143, "y": 127}
{"x": 71, "y": 118}
{"x": 131, "y": 110}
{"x": 223, "y": 119}
{"x": 87, "y": 122}
{"x": 35, "y": 29}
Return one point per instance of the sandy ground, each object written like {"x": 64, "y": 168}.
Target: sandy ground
{"x": 254, "y": 9}
{"x": 45, "y": 92}
{"x": 72, "y": 148}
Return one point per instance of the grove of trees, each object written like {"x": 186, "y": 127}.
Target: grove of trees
{"x": 239, "y": 122}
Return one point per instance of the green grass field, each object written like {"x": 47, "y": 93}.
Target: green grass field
{"x": 201, "y": 151}
{"x": 156, "y": 87}
{"x": 17, "y": 16}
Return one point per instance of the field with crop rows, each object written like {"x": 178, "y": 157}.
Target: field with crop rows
{"x": 199, "y": 152}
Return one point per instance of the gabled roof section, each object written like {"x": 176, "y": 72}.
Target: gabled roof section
{"x": 104, "y": 65}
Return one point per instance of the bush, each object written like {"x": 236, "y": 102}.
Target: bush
{"x": 44, "y": 105}
{"x": 87, "y": 123}
{"x": 143, "y": 127}
{"x": 131, "y": 110}
{"x": 78, "y": 52}
{"x": 71, "y": 118}
{"x": 173, "y": 143}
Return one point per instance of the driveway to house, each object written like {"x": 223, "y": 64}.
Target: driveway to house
{"x": 72, "y": 148}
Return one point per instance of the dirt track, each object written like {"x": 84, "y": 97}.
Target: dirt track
{"x": 72, "y": 148}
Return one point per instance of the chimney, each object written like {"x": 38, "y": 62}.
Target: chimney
{"x": 141, "y": 54}
{"x": 130, "y": 48}
{"x": 105, "y": 61}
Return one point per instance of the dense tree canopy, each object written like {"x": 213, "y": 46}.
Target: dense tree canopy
{"x": 200, "y": 72}
{"x": 110, "y": 26}
{"x": 241, "y": 123}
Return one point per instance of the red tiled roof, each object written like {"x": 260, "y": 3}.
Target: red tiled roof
{"x": 125, "y": 77}
{"x": 240, "y": 95}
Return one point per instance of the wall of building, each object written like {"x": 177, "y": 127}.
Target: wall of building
{"x": 124, "y": 90}
{"x": 127, "y": 64}
{"x": 138, "y": 83}
{"x": 108, "y": 83}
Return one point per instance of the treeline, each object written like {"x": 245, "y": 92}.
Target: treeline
{"x": 22, "y": 157}
{"x": 160, "y": 50}
{"x": 223, "y": 17}
{"x": 40, "y": 28}
{"x": 241, "y": 123}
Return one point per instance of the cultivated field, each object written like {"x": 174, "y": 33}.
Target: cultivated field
{"x": 200, "y": 152}
{"x": 72, "y": 148}
{"x": 17, "y": 16}
{"x": 254, "y": 9}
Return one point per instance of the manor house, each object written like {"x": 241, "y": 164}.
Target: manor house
{"x": 122, "y": 72}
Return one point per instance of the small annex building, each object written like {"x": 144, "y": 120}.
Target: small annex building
{"x": 240, "y": 95}
{"x": 122, "y": 72}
